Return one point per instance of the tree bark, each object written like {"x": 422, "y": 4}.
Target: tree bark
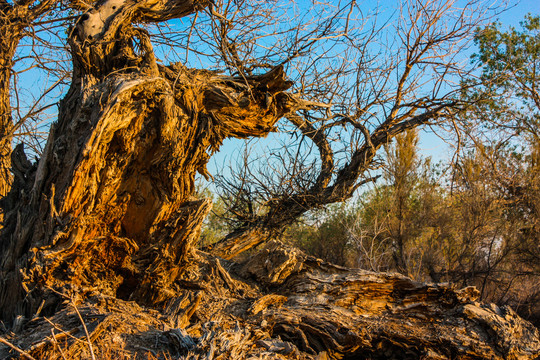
{"x": 238, "y": 242}
{"x": 110, "y": 206}
{"x": 282, "y": 304}
{"x": 8, "y": 45}
{"x": 107, "y": 221}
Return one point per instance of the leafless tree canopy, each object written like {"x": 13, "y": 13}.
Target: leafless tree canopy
{"x": 375, "y": 78}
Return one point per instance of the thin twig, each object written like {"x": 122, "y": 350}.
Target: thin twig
{"x": 67, "y": 333}
{"x": 85, "y": 329}
{"x": 57, "y": 345}
{"x": 20, "y": 351}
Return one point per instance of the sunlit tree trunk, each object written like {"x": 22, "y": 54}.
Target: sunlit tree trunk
{"x": 8, "y": 44}
{"x": 110, "y": 207}
{"x": 109, "y": 213}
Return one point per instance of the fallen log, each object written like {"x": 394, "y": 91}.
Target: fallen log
{"x": 306, "y": 309}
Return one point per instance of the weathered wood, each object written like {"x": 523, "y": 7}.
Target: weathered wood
{"x": 265, "y": 301}
{"x": 15, "y": 17}
{"x": 110, "y": 207}
{"x": 308, "y": 309}
{"x": 238, "y": 242}
{"x": 8, "y": 44}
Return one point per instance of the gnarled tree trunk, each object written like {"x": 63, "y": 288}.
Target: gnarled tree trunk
{"x": 109, "y": 207}
{"x": 282, "y": 304}
{"x": 8, "y": 45}
{"x": 14, "y": 18}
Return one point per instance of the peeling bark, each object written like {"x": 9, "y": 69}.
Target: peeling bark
{"x": 14, "y": 18}
{"x": 8, "y": 46}
{"x": 239, "y": 241}
{"x": 109, "y": 207}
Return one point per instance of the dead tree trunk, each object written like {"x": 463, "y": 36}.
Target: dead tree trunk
{"x": 14, "y": 18}
{"x": 5, "y": 127}
{"x": 109, "y": 208}
{"x": 282, "y": 304}
{"x": 8, "y": 45}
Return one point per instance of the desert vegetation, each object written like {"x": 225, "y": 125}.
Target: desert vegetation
{"x": 468, "y": 220}
{"x": 104, "y": 247}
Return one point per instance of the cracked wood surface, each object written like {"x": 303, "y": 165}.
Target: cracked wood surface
{"x": 308, "y": 309}
{"x": 110, "y": 205}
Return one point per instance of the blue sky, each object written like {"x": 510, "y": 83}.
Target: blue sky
{"x": 431, "y": 144}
